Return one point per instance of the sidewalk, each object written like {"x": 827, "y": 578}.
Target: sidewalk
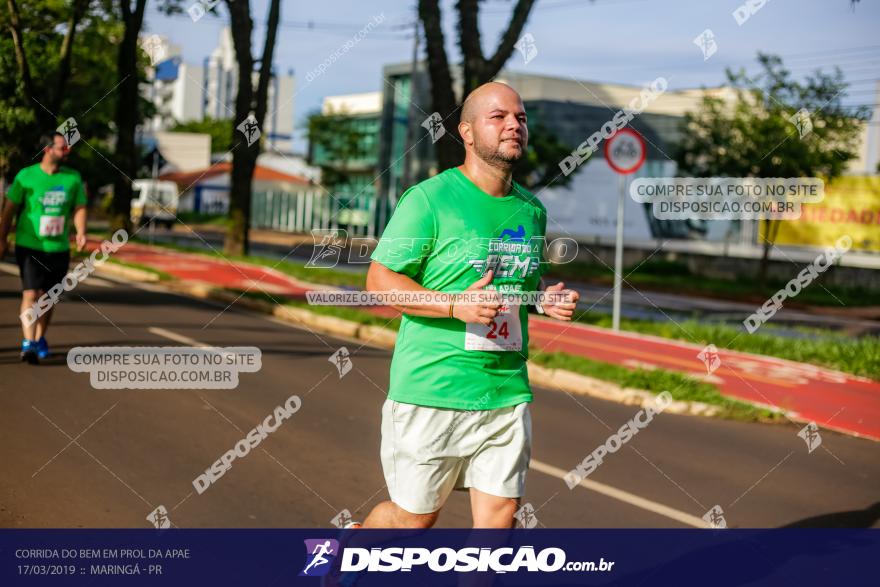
{"x": 832, "y": 399}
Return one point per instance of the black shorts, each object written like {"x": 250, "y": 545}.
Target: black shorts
{"x": 39, "y": 269}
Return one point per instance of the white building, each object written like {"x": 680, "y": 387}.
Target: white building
{"x": 363, "y": 103}
{"x": 184, "y": 92}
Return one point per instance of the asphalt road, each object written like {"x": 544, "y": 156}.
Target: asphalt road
{"x": 74, "y": 456}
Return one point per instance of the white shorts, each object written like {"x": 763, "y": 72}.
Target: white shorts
{"x": 428, "y": 452}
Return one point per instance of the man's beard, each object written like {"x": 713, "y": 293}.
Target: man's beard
{"x": 496, "y": 157}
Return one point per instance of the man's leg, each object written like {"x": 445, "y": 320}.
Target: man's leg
{"x": 43, "y": 323}
{"x": 389, "y": 515}
{"x": 491, "y": 511}
{"x": 28, "y": 298}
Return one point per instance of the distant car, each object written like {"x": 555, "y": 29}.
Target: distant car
{"x": 154, "y": 201}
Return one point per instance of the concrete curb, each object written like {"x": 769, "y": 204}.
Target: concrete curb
{"x": 572, "y": 382}
{"x": 558, "y": 379}
{"x": 123, "y": 272}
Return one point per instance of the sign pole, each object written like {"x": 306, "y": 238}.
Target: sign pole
{"x": 618, "y": 254}
{"x": 625, "y": 153}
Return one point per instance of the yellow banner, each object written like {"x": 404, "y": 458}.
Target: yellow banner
{"x": 851, "y": 207}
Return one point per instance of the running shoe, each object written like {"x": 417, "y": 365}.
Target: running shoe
{"x": 42, "y": 348}
{"x": 29, "y": 351}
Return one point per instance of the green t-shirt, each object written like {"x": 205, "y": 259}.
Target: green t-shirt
{"x": 440, "y": 235}
{"x": 45, "y": 205}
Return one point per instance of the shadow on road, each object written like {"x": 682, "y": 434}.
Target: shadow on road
{"x": 848, "y": 519}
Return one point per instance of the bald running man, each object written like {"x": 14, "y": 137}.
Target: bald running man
{"x": 457, "y": 413}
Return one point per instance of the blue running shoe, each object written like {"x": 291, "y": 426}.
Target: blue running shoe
{"x": 29, "y": 351}
{"x": 42, "y": 348}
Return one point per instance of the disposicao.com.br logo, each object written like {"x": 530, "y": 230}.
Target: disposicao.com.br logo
{"x": 464, "y": 560}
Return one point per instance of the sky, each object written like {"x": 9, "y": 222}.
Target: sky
{"x": 620, "y": 41}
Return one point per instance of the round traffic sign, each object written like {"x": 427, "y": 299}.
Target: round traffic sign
{"x": 625, "y": 151}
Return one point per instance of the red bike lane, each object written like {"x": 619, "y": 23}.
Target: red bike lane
{"x": 829, "y": 398}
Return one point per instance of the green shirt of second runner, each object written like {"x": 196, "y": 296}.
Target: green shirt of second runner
{"x": 442, "y": 233}
{"x": 45, "y": 204}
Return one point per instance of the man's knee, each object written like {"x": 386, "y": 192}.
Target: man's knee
{"x": 495, "y": 513}
{"x": 29, "y": 296}
{"x": 417, "y": 521}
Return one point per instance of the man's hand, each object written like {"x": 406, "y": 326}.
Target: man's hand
{"x": 485, "y": 310}
{"x": 561, "y": 309}
{"x": 80, "y": 241}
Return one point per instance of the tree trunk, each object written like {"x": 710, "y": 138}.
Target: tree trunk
{"x": 76, "y": 13}
{"x": 45, "y": 119}
{"x": 476, "y": 69}
{"x": 244, "y": 157}
{"x": 126, "y": 115}
{"x": 448, "y": 148}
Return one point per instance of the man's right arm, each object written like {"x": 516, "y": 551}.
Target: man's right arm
{"x": 13, "y": 199}
{"x": 381, "y": 279}
{"x": 9, "y": 209}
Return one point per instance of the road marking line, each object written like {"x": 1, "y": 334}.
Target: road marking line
{"x": 624, "y": 496}
{"x": 177, "y": 337}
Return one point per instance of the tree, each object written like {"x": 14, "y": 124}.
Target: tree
{"x": 334, "y": 142}
{"x": 127, "y": 112}
{"x": 540, "y": 166}
{"x": 45, "y": 101}
{"x": 38, "y": 42}
{"x": 72, "y": 46}
{"x": 476, "y": 68}
{"x": 219, "y": 129}
{"x": 757, "y": 135}
{"x": 249, "y": 103}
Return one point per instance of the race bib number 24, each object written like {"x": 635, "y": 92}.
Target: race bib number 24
{"x": 502, "y": 334}
{"x": 51, "y": 225}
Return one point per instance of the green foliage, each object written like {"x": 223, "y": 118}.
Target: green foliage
{"x": 336, "y": 141}
{"x": 540, "y": 166}
{"x": 776, "y": 127}
{"x": 87, "y": 96}
{"x": 755, "y": 136}
{"x": 219, "y": 129}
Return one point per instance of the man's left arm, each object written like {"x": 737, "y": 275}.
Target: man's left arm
{"x": 562, "y": 303}
{"x": 79, "y": 221}
{"x": 79, "y": 216}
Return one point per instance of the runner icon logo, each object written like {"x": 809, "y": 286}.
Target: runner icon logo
{"x": 326, "y": 250}
{"x": 526, "y": 516}
{"x": 320, "y": 553}
{"x": 250, "y": 129}
{"x": 434, "y": 125}
{"x": 70, "y": 130}
{"x": 810, "y": 434}
{"x": 159, "y": 518}
{"x": 527, "y": 48}
{"x": 342, "y": 519}
{"x": 802, "y": 122}
{"x": 710, "y": 358}
{"x": 706, "y": 42}
{"x": 342, "y": 360}
{"x": 715, "y": 518}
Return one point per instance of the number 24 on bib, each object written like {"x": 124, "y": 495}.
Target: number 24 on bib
{"x": 502, "y": 334}
{"x": 51, "y": 225}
